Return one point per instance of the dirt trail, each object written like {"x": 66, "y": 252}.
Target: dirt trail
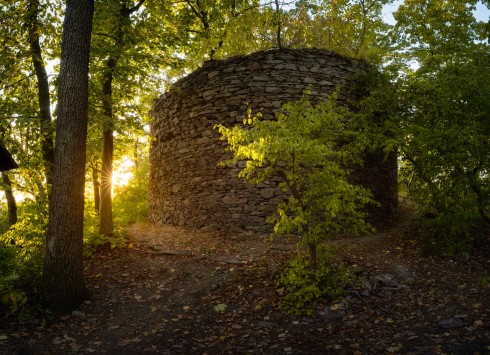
{"x": 181, "y": 291}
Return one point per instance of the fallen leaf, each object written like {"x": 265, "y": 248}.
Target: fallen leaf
{"x": 236, "y": 326}
{"x": 137, "y": 297}
{"x": 186, "y": 308}
{"x": 112, "y": 327}
{"x": 3, "y": 337}
{"x": 334, "y": 307}
{"x": 135, "y": 340}
{"x": 478, "y": 322}
{"x": 220, "y": 307}
{"x": 122, "y": 342}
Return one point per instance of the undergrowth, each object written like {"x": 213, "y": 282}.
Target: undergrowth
{"x": 303, "y": 289}
{"x": 22, "y": 246}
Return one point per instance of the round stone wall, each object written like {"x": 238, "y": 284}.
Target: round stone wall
{"x": 188, "y": 187}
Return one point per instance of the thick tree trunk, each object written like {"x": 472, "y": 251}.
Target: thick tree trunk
{"x": 43, "y": 95}
{"x": 96, "y": 183}
{"x": 105, "y": 212}
{"x": 64, "y": 285}
{"x": 11, "y": 204}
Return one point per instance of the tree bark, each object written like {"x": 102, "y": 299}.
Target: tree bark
{"x": 105, "y": 202}
{"x": 63, "y": 281}
{"x": 96, "y": 183}
{"x": 278, "y": 34}
{"x": 313, "y": 263}
{"x": 43, "y": 95}
{"x": 11, "y": 204}
{"x": 136, "y": 154}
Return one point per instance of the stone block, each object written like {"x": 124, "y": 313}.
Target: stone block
{"x": 267, "y": 192}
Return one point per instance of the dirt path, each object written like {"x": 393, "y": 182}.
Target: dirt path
{"x": 180, "y": 291}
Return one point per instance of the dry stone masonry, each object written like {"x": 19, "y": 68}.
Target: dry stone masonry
{"x": 188, "y": 187}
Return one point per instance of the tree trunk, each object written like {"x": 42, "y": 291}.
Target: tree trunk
{"x": 95, "y": 181}
{"x": 136, "y": 154}
{"x": 278, "y": 34}
{"x": 313, "y": 264}
{"x": 63, "y": 282}
{"x": 105, "y": 212}
{"x": 43, "y": 95}
{"x": 11, "y": 204}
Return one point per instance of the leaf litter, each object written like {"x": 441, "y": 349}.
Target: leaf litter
{"x": 172, "y": 304}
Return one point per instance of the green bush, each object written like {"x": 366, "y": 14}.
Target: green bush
{"x": 21, "y": 260}
{"x": 4, "y": 218}
{"x": 304, "y": 289}
{"x": 441, "y": 236}
{"x": 22, "y": 246}
{"x": 13, "y": 301}
{"x": 92, "y": 240}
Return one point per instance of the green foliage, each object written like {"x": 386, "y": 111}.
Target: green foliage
{"x": 304, "y": 289}
{"x": 350, "y": 27}
{"x": 485, "y": 281}
{"x": 436, "y": 116}
{"x": 13, "y": 301}
{"x": 22, "y": 247}
{"x": 306, "y": 148}
{"x": 300, "y": 147}
{"x": 21, "y": 260}
{"x": 440, "y": 236}
{"x": 4, "y": 218}
{"x": 92, "y": 240}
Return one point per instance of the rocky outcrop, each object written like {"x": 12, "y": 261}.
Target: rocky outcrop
{"x": 188, "y": 187}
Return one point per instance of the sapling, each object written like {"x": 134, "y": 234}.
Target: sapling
{"x": 308, "y": 147}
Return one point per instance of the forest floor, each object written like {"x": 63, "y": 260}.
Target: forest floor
{"x": 148, "y": 301}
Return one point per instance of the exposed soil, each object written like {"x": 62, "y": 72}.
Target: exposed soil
{"x": 147, "y": 301}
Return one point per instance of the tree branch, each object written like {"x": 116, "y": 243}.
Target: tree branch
{"x": 6, "y": 87}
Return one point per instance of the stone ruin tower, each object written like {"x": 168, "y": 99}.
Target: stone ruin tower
{"x": 189, "y": 188}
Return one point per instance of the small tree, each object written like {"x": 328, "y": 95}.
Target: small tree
{"x": 307, "y": 148}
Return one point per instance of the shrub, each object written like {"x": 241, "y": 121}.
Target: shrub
{"x": 304, "y": 289}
